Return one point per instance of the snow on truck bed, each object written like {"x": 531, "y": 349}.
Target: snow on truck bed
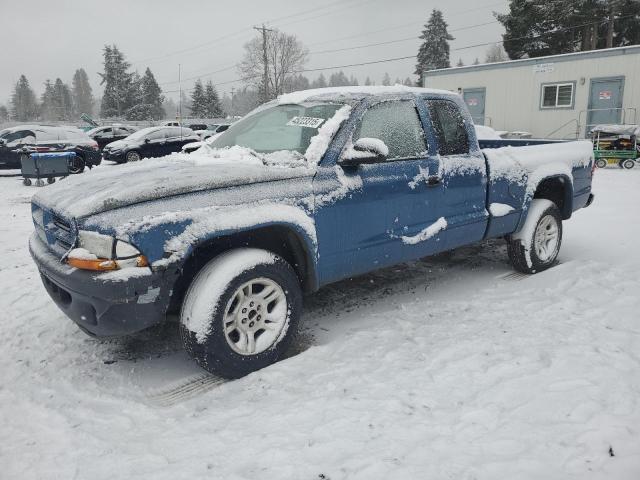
{"x": 451, "y": 367}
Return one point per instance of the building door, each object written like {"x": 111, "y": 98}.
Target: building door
{"x": 474, "y": 98}
{"x": 605, "y": 101}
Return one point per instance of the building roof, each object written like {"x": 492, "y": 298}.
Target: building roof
{"x": 567, "y": 57}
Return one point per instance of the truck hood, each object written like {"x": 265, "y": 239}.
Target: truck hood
{"x": 109, "y": 187}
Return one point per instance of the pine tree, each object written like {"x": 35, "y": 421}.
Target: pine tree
{"x": 198, "y": 101}
{"x": 353, "y": 81}
{"x": 338, "y": 79}
{"x": 148, "y": 105}
{"x": 24, "y": 105}
{"x": 386, "y": 80}
{"x": 320, "y": 82}
{"x": 82, "y": 93}
{"x": 434, "y": 51}
{"x": 118, "y": 83}
{"x": 212, "y": 102}
{"x": 407, "y": 82}
{"x": 47, "y": 102}
{"x": 62, "y": 100}
{"x": 368, "y": 82}
{"x": 4, "y": 113}
{"x": 476, "y": 61}
{"x": 460, "y": 63}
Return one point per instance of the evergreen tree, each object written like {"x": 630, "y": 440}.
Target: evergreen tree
{"x": 198, "y": 101}
{"x": 386, "y": 80}
{"x": 338, "y": 79}
{"x": 24, "y": 105}
{"x": 368, "y": 82}
{"x": 148, "y": 104}
{"x": 495, "y": 53}
{"x": 535, "y": 29}
{"x": 4, "y": 113}
{"x": 48, "y": 109}
{"x": 407, "y": 82}
{"x": 296, "y": 83}
{"x": 213, "y": 106}
{"x": 476, "y": 61}
{"x": 434, "y": 51}
{"x": 353, "y": 81}
{"x": 62, "y": 101}
{"x": 118, "y": 83}
{"x": 320, "y": 82}
{"x": 82, "y": 93}
{"x": 460, "y": 63}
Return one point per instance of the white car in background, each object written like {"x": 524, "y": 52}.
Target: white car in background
{"x": 193, "y": 146}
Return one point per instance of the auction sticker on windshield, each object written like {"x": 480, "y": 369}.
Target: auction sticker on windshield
{"x": 309, "y": 122}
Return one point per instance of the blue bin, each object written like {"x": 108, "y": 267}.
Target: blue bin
{"x": 46, "y": 165}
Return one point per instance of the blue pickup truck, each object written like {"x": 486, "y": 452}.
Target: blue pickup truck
{"x": 311, "y": 188}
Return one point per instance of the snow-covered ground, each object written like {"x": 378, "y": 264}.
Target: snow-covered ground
{"x": 448, "y": 368}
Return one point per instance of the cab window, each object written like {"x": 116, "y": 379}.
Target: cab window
{"x": 450, "y": 128}
{"x": 398, "y": 125}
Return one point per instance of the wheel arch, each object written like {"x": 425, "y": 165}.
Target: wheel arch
{"x": 556, "y": 188}
{"x": 282, "y": 239}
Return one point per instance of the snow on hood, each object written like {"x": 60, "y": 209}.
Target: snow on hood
{"x": 111, "y": 187}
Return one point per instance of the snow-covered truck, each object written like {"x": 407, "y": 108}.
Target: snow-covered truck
{"x": 311, "y": 188}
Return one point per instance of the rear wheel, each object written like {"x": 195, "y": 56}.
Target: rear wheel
{"x": 77, "y": 165}
{"x": 133, "y": 156}
{"x": 628, "y": 164}
{"x": 241, "y": 312}
{"x": 536, "y": 246}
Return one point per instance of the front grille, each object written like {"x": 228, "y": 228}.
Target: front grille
{"x": 56, "y": 231}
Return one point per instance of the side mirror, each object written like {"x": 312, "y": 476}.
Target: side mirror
{"x": 365, "y": 150}
{"x": 146, "y": 140}
{"x": 2, "y": 142}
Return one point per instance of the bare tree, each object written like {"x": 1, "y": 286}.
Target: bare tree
{"x": 285, "y": 56}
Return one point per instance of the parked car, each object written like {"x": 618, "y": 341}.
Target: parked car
{"x": 149, "y": 142}
{"x": 193, "y": 146}
{"x": 210, "y": 130}
{"x": 110, "y": 133}
{"x": 196, "y": 127}
{"x": 312, "y": 188}
{"x": 27, "y": 139}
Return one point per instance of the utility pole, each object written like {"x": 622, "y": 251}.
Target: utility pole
{"x": 610, "y": 24}
{"x": 233, "y": 110}
{"x": 179, "y": 94}
{"x": 265, "y": 60}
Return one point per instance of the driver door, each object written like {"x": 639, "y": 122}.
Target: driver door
{"x": 371, "y": 215}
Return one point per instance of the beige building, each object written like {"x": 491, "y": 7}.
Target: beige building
{"x": 559, "y": 96}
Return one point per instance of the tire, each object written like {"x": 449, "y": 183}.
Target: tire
{"x": 133, "y": 156}
{"x": 601, "y": 163}
{"x": 26, "y": 182}
{"x": 77, "y": 165}
{"x": 225, "y": 306}
{"x": 536, "y": 246}
{"x": 51, "y": 180}
{"x": 628, "y": 164}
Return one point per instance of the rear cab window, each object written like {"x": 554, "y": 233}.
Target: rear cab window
{"x": 449, "y": 126}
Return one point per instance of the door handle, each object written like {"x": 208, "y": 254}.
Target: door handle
{"x": 433, "y": 180}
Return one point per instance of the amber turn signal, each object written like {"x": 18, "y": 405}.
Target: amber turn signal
{"x": 98, "y": 265}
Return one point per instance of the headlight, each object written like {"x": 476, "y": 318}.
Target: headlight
{"x": 100, "y": 252}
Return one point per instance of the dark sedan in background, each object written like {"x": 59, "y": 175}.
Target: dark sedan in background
{"x": 149, "y": 142}
{"x": 110, "y": 133}
{"x": 27, "y": 139}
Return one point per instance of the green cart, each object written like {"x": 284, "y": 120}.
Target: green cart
{"x": 616, "y": 145}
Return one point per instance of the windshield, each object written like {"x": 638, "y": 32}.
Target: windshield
{"x": 281, "y": 127}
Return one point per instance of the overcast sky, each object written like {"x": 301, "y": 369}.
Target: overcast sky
{"x": 52, "y": 38}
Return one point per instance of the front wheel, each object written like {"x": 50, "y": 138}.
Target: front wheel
{"x": 241, "y": 312}
{"x": 536, "y": 246}
{"x": 601, "y": 163}
{"x": 133, "y": 156}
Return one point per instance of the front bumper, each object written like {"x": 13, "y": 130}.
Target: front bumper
{"x": 118, "y": 156}
{"x": 102, "y": 306}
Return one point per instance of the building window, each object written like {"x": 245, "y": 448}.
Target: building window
{"x": 559, "y": 95}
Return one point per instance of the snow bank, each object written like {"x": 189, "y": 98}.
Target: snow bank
{"x": 500, "y": 209}
{"x": 427, "y": 233}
